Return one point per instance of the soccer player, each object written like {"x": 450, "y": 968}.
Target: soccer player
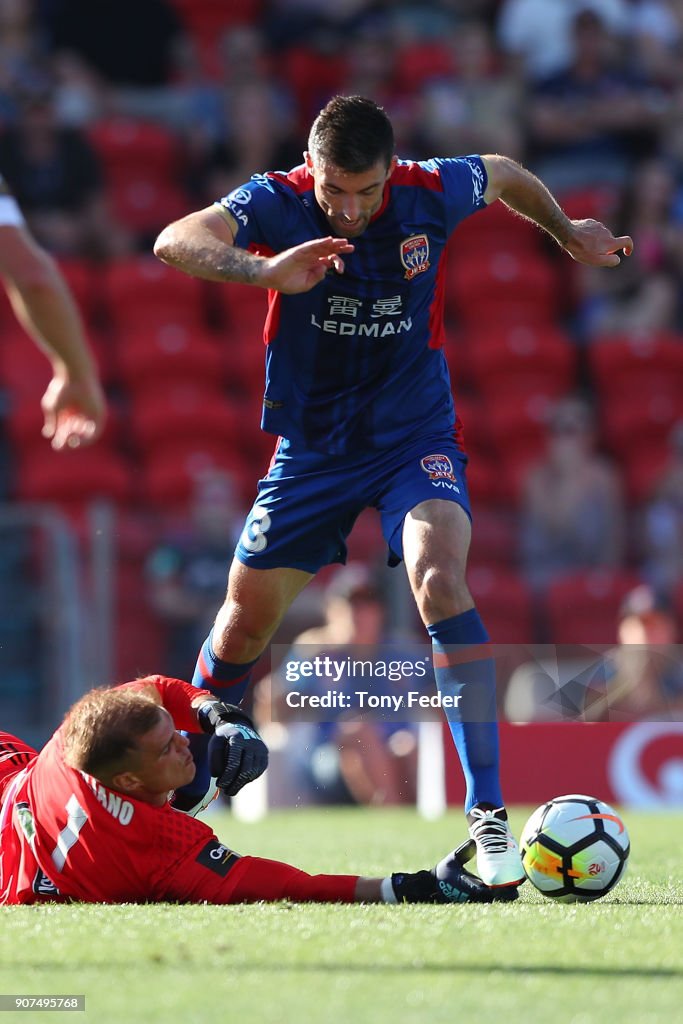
{"x": 73, "y": 404}
{"x": 89, "y": 818}
{"x": 350, "y": 246}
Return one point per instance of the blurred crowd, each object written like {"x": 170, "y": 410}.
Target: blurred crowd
{"x": 117, "y": 117}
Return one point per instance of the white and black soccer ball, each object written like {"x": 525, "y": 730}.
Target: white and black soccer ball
{"x": 574, "y": 848}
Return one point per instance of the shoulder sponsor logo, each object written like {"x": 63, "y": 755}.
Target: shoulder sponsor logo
{"x": 415, "y": 255}
{"x": 235, "y": 209}
{"x": 241, "y": 196}
{"x": 477, "y": 181}
{"x": 217, "y": 858}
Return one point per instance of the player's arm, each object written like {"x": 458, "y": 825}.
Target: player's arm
{"x": 587, "y": 241}
{"x": 202, "y": 245}
{"x": 73, "y": 404}
{"x": 237, "y": 754}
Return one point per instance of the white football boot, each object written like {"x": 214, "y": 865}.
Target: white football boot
{"x": 498, "y": 858}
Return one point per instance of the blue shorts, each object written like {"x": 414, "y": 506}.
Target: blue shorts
{"x": 307, "y": 504}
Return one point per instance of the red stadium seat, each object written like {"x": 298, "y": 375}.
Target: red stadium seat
{"x": 518, "y": 426}
{"x": 470, "y": 410}
{"x": 484, "y": 481}
{"x": 145, "y": 206}
{"x": 583, "y": 607}
{"x": 171, "y": 354}
{"x": 243, "y": 306}
{"x": 642, "y": 470}
{"x": 492, "y": 229}
{"x": 421, "y": 62}
{"x": 648, "y": 362}
{"x": 599, "y": 202}
{"x": 214, "y": 16}
{"x": 503, "y": 286}
{"x": 25, "y": 371}
{"x": 73, "y": 479}
{"x": 176, "y": 414}
{"x": 141, "y": 292}
{"x": 82, "y": 279}
{"x": 169, "y": 478}
{"x": 504, "y": 602}
{"x": 633, "y": 422}
{"x": 522, "y": 359}
{"x": 129, "y": 147}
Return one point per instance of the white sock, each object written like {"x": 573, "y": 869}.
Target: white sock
{"x": 387, "y": 891}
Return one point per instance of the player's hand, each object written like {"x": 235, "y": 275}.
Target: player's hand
{"x": 301, "y": 268}
{"x": 592, "y": 243}
{"x": 73, "y": 411}
{"x": 237, "y": 754}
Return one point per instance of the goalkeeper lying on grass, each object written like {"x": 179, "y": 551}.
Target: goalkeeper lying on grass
{"x": 91, "y": 816}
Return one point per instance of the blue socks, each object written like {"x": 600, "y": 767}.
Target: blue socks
{"x": 463, "y": 667}
{"x": 227, "y": 681}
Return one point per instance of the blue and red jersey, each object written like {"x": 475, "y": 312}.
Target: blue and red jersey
{"x": 357, "y": 363}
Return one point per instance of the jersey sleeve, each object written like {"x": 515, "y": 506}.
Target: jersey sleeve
{"x": 176, "y": 696}
{"x": 193, "y": 865}
{"x": 464, "y": 182}
{"x": 258, "y": 210}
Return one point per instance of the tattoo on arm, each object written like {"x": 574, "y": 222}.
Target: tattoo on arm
{"x": 239, "y": 265}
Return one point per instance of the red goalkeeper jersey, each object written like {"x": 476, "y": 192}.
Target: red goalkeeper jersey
{"x": 63, "y": 835}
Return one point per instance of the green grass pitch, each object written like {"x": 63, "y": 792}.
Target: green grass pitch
{"x": 617, "y": 960}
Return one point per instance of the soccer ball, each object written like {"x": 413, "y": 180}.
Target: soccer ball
{"x": 574, "y": 848}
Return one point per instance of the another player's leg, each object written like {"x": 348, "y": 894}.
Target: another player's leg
{"x": 254, "y": 605}
{"x": 435, "y": 541}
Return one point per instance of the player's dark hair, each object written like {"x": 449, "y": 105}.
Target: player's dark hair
{"x": 352, "y": 133}
{"x": 101, "y": 730}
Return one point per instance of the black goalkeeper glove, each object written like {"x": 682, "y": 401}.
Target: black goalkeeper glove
{"x": 449, "y": 882}
{"x": 237, "y": 754}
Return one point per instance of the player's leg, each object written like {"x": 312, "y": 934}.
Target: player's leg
{"x": 253, "y": 879}
{"x": 297, "y": 524}
{"x": 15, "y": 755}
{"x": 255, "y": 603}
{"x": 436, "y": 537}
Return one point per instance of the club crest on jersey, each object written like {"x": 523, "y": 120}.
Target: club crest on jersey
{"x": 415, "y": 255}
{"x": 438, "y": 467}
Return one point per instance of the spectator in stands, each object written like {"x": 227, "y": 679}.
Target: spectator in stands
{"x": 477, "y": 109}
{"x": 662, "y": 528}
{"x": 73, "y": 404}
{"x": 645, "y": 297}
{"x": 589, "y": 122}
{"x": 369, "y": 759}
{"x": 221, "y": 114}
{"x": 643, "y": 677}
{"x": 572, "y": 514}
{"x": 186, "y": 572}
{"x": 21, "y": 54}
{"x": 656, "y": 29}
{"x": 640, "y": 679}
{"x": 538, "y": 33}
{"x": 56, "y": 177}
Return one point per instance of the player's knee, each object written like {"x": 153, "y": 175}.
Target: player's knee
{"x": 245, "y": 630}
{"x": 441, "y": 594}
